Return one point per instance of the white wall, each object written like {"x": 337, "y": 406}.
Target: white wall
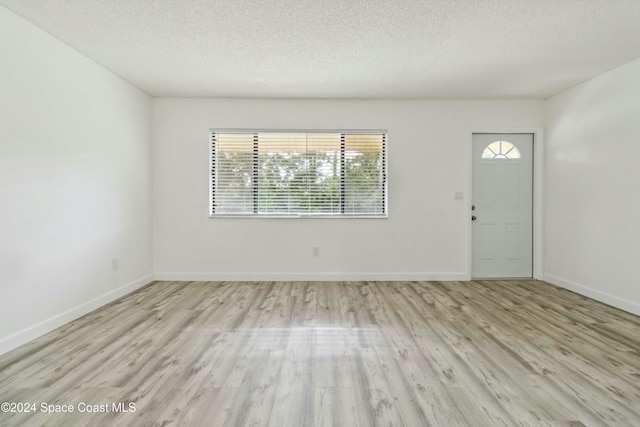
{"x": 75, "y": 183}
{"x": 425, "y": 237}
{"x": 592, "y": 215}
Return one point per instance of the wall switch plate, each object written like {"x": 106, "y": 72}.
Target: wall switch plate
{"x": 316, "y": 251}
{"x": 114, "y": 264}
{"x": 458, "y": 195}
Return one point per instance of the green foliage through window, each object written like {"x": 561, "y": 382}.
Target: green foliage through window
{"x": 297, "y": 173}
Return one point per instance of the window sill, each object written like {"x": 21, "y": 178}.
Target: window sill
{"x": 319, "y": 216}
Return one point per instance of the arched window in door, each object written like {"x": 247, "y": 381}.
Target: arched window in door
{"x": 501, "y": 150}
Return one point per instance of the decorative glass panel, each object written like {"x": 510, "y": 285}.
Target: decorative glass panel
{"x": 501, "y": 150}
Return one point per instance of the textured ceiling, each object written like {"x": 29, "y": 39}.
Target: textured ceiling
{"x": 347, "y": 48}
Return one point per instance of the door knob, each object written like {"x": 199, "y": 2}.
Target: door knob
{"x": 473, "y": 218}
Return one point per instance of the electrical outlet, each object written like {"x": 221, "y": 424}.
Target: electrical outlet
{"x": 316, "y": 251}
{"x": 114, "y": 264}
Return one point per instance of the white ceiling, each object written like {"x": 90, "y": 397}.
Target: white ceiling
{"x": 347, "y": 48}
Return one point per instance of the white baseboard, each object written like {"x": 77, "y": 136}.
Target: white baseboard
{"x": 315, "y": 277}
{"x": 612, "y": 300}
{"x": 24, "y": 336}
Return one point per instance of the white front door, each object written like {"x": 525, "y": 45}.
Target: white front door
{"x": 502, "y": 206}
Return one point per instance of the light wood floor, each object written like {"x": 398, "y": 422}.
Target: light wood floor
{"x": 336, "y": 354}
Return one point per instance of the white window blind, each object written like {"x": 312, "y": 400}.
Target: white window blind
{"x": 298, "y": 173}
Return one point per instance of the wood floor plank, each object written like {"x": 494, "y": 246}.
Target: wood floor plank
{"x": 485, "y": 353}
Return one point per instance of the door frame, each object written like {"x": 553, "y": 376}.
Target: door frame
{"x": 538, "y": 193}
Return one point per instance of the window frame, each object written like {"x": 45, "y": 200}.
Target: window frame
{"x": 384, "y": 171}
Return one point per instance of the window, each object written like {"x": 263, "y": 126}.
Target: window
{"x": 298, "y": 173}
{"x": 501, "y": 150}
